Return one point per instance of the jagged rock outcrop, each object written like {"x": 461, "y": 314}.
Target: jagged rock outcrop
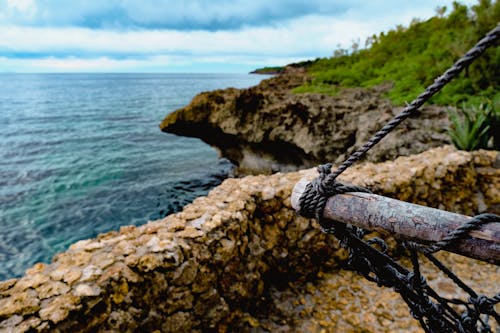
{"x": 241, "y": 260}
{"x": 267, "y": 128}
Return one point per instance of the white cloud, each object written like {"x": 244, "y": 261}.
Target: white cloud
{"x": 309, "y": 36}
{"x": 306, "y": 37}
{"x": 193, "y": 14}
{"x": 174, "y": 14}
{"x": 25, "y": 6}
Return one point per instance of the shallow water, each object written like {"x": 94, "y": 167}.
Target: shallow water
{"x": 82, "y": 154}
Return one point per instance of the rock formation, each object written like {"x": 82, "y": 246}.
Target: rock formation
{"x": 240, "y": 259}
{"x": 267, "y": 128}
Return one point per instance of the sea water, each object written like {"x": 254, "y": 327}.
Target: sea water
{"x": 82, "y": 154}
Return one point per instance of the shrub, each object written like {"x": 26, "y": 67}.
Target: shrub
{"x": 412, "y": 57}
{"x": 471, "y": 126}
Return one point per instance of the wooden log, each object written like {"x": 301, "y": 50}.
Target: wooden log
{"x": 408, "y": 221}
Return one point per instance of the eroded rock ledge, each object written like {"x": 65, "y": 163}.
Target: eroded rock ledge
{"x": 267, "y": 128}
{"x": 241, "y": 259}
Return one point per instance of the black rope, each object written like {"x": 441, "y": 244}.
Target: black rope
{"x": 461, "y": 232}
{"x": 434, "y": 313}
{"x": 317, "y": 192}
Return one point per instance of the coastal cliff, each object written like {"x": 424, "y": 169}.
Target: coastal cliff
{"x": 240, "y": 259}
{"x": 268, "y": 128}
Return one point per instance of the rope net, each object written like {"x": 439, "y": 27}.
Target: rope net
{"x": 368, "y": 255}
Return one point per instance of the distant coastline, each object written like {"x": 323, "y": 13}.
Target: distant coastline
{"x": 269, "y": 70}
{"x": 272, "y": 70}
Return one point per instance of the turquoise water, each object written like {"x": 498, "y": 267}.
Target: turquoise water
{"x": 82, "y": 154}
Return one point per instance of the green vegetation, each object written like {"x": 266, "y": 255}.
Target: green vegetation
{"x": 268, "y": 70}
{"x": 412, "y": 57}
{"x": 471, "y": 129}
{"x": 282, "y": 69}
{"x": 317, "y": 88}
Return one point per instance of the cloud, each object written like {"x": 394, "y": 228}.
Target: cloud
{"x": 307, "y": 37}
{"x": 56, "y": 38}
{"x": 209, "y": 15}
{"x": 83, "y": 49}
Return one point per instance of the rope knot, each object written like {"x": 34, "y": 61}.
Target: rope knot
{"x": 320, "y": 184}
{"x": 417, "y": 282}
{"x": 468, "y": 321}
{"x": 316, "y": 193}
{"x": 313, "y": 200}
{"x": 483, "y": 304}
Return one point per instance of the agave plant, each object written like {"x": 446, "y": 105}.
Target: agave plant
{"x": 471, "y": 129}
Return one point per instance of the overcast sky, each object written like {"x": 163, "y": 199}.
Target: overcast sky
{"x": 189, "y": 35}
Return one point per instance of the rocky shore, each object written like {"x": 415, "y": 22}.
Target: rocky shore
{"x": 268, "y": 128}
{"x": 240, "y": 259}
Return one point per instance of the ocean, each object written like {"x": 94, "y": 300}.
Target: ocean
{"x": 82, "y": 154}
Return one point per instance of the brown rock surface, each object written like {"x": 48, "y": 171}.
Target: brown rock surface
{"x": 267, "y": 128}
{"x": 240, "y": 259}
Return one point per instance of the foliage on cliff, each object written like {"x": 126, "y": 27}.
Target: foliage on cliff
{"x": 412, "y": 57}
{"x": 269, "y": 70}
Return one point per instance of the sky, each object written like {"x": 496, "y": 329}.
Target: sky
{"x": 191, "y": 36}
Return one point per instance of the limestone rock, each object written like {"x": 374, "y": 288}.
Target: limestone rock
{"x": 186, "y": 273}
{"x": 20, "y": 303}
{"x": 58, "y": 308}
{"x": 267, "y": 128}
{"x": 86, "y": 290}
{"x": 52, "y": 289}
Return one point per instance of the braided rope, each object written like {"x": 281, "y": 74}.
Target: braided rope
{"x": 461, "y": 232}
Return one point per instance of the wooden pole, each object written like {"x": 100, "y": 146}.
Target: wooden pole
{"x": 407, "y": 221}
